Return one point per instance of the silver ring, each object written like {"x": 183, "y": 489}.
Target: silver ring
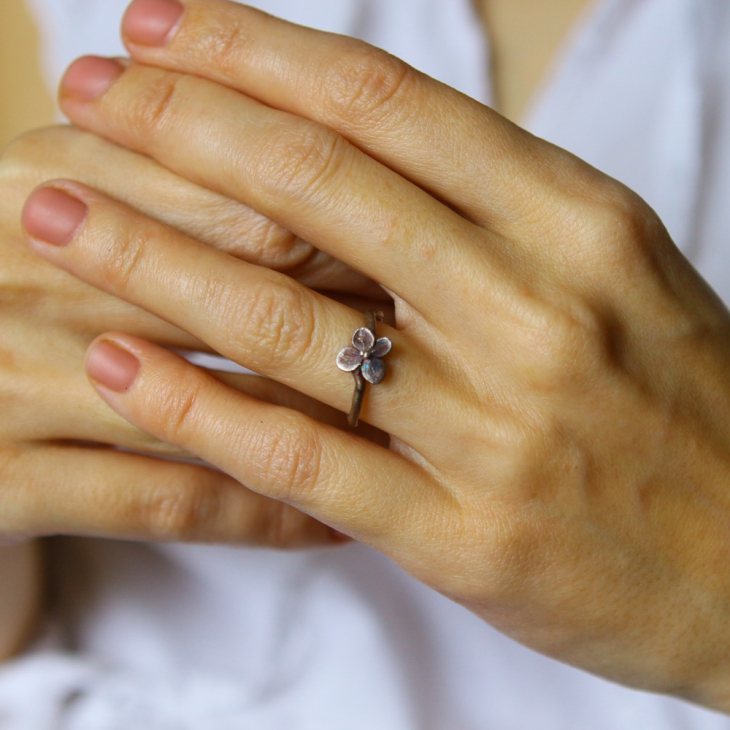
{"x": 364, "y": 360}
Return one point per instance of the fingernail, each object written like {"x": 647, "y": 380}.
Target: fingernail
{"x": 89, "y": 77}
{"x": 53, "y": 216}
{"x": 151, "y": 22}
{"x": 111, "y": 366}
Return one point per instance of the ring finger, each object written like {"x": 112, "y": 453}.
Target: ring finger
{"x": 259, "y": 318}
{"x": 74, "y": 412}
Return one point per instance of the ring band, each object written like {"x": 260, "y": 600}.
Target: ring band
{"x": 364, "y": 360}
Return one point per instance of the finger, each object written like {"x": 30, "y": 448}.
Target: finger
{"x": 72, "y": 404}
{"x": 50, "y": 490}
{"x": 349, "y": 483}
{"x": 66, "y": 308}
{"x": 69, "y": 313}
{"x": 73, "y": 411}
{"x": 462, "y": 151}
{"x": 296, "y": 172}
{"x": 258, "y": 318}
{"x": 269, "y": 391}
{"x": 44, "y": 393}
{"x": 142, "y": 183}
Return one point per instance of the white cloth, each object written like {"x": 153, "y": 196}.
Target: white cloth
{"x": 190, "y": 637}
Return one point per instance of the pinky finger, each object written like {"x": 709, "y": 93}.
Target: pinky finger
{"x": 101, "y": 492}
{"x": 344, "y": 480}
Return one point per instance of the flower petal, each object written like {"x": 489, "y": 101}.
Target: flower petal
{"x": 349, "y": 359}
{"x": 373, "y": 370}
{"x": 363, "y": 339}
{"x": 382, "y": 347}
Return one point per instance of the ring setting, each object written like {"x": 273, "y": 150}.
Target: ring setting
{"x": 364, "y": 360}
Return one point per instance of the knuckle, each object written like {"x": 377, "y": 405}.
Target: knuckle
{"x": 517, "y": 545}
{"x": 248, "y": 235}
{"x": 636, "y": 231}
{"x": 14, "y": 154}
{"x": 364, "y": 85}
{"x": 624, "y": 215}
{"x": 122, "y": 265}
{"x": 179, "y": 408}
{"x": 277, "y": 248}
{"x": 226, "y": 39}
{"x": 564, "y": 345}
{"x": 228, "y": 43}
{"x": 279, "y": 324}
{"x": 503, "y": 545}
{"x": 151, "y": 108}
{"x": 298, "y": 161}
{"x": 51, "y": 153}
{"x": 621, "y": 202}
{"x": 616, "y": 221}
{"x": 32, "y": 157}
{"x": 181, "y": 514}
{"x": 24, "y": 146}
{"x": 288, "y": 458}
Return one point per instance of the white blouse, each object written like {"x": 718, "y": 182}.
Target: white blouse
{"x": 193, "y": 637}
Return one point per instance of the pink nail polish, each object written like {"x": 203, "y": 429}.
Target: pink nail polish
{"x": 53, "y": 216}
{"x": 111, "y": 366}
{"x": 87, "y": 78}
{"x": 151, "y": 22}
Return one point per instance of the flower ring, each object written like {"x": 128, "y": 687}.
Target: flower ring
{"x": 364, "y": 361}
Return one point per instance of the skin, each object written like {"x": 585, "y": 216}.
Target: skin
{"x": 558, "y": 383}
{"x": 71, "y": 412}
{"x": 59, "y": 474}
{"x": 25, "y": 104}
{"x": 61, "y": 315}
{"x": 58, "y": 470}
{"x": 507, "y": 485}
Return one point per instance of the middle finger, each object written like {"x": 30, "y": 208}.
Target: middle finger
{"x": 296, "y": 172}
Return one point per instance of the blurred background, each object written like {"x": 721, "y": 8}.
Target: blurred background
{"x": 24, "y": 101}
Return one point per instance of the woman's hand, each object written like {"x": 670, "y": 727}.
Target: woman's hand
{"x": 559, "y": 385}
{"x": 55, "y": 478}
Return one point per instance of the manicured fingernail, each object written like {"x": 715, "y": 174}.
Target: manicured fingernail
{"x": 151, "y": 22}
{"x": 89, "y": 77}
{"x": 110, "y": 365}
{"x": 53, "y": 216}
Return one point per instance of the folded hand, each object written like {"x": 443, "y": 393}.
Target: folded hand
{"x": 557, "y": 389}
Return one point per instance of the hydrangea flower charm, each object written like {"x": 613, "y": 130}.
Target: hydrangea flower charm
{"x": 366, "y": 354}
{"x": 364, "y": 361}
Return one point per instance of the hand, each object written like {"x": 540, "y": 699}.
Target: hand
{"x": 557, "y": 391}
{"x": 55, "y": 477}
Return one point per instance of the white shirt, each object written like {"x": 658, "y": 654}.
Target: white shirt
{"x": 197, "y": 637}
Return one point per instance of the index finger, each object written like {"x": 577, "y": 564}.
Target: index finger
{"x": 463, "y": 152}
